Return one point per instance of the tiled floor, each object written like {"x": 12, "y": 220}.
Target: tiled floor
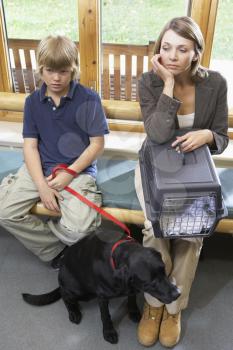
{"x": 207, "y": 323}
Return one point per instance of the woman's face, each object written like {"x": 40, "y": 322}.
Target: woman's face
{"x": 177, "y": 53}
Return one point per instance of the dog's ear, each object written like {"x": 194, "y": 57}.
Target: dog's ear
{"x": 140, "y": 277}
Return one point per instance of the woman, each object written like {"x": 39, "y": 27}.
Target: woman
{"x": 178, "y": 93}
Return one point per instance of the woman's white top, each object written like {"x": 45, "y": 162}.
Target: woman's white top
{"x": 186, "y": 120}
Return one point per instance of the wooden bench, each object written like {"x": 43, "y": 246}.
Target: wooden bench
{"x": 123, "y": 143}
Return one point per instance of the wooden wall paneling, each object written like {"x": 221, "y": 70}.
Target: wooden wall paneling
{"x": 89, "y": 43}
{"x": 204, "y": 12}
{"x": 5, "y": 73}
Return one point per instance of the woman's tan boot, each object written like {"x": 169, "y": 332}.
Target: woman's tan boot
{"x": 148, "y": 328}
{"x": 170, "y": 329}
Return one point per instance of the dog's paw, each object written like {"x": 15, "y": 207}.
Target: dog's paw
{"x": 75, "y": 316}
{"x": 135, "y": 316}
{"x": 111, "y": 336}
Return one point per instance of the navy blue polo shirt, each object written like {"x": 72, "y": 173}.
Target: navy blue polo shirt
{"x": 63, "y": 132}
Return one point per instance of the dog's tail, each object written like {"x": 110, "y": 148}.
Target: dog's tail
{"x": 42, "y": 299}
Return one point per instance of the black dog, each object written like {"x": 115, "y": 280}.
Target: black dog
{"x": 97, "y": 266}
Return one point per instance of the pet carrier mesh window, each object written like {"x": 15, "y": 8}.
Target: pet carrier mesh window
{"x": 182, "y": 192}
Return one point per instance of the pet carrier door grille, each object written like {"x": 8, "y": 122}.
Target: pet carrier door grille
{"x": 188, "y": 216}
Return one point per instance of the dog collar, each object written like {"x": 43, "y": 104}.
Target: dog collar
{"x": 121, "y": 241}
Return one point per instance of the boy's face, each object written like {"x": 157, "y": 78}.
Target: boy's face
{"x": 57, "y": 81}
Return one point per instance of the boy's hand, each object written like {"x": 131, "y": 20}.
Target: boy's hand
{"x": 61, "y": 180}
{"x": 49, "y": 197}
{"x": 193, "y": 140}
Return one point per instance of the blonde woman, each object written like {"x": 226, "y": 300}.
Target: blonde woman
{"x": 178, "y": 93}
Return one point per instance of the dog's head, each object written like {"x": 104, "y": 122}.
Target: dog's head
{"x": 146, "y": 272}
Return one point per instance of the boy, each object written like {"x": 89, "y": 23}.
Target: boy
{"x": 63, "y": 123}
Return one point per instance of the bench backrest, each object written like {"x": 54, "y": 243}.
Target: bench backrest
{"x": 122, "y": 115}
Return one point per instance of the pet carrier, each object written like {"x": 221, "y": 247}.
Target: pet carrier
{"x": 182, "y": 191}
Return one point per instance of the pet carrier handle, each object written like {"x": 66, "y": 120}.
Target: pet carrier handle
{"x": 181, "y": 153}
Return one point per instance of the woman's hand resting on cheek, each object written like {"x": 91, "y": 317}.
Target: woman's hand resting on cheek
{"x": 160, "y": 70}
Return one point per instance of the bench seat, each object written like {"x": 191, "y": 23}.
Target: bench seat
{"x": 115, "y": 172}
{"x": 116, "y": 181}
{"x": 118, "y": 143}
{"x": 115, "y": 177}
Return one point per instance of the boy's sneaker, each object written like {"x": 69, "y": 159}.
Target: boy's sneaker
{"x": 57, "y": 261}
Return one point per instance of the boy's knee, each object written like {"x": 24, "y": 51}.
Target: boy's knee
{"x": 82, "y": 223}
{"x": 70, "y": 232}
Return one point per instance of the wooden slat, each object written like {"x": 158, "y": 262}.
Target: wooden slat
{"x": 18, "y": 71}
{"x": 89, "y": 43}
{"x": 150, "y": 53}
{"x": 108, "y": 48}
{"x": 117, "y": 78}
{"x": 225, "y": 226}
{"x": 129, "y": 126}
{"x": 128, "y": 77}
{"x": 114, "y": 109}
{"x": 230, "y": 133}
{"x": 23, "y": 44}
{"x": 139, "y": 68}
{"x": 29, "y": 71}
{"x": 10, "y": 101}
{"x": 130, "y": 217}
{"x": 11, "y": 116}
{"x": 230, "y": 118}
{"x": 29, "y": 44}
{"x": 210, "y": 33}
{"x": 122, "y": 49}
{"x": 5, "y": 75}
{"x": 119, "y": 110}
{"x": 204, "y": 13}
{"x": 106, "y": 77}
{"x": 124, "y": 110}
{"x": 125, "y": 215}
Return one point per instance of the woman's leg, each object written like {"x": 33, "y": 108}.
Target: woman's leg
{"x": 149, "y": 239}
{"x": 185, "y": 259}
{"x": 149, "y": 326}
{"x": 186, "y": 253}
{"x": 18, "y": 194}
{"x": 181, "y": 258}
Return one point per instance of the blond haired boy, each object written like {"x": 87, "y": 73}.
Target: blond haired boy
{"x": 63, "y": 123}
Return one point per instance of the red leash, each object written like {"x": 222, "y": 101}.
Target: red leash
{"x": 127, "y": 239}
{"x": 86, "y": 201}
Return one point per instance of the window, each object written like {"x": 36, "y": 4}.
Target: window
{"x": 27, "y": 22}
{"x": 222, "y": 53}
{"x": 129, "y": 29}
